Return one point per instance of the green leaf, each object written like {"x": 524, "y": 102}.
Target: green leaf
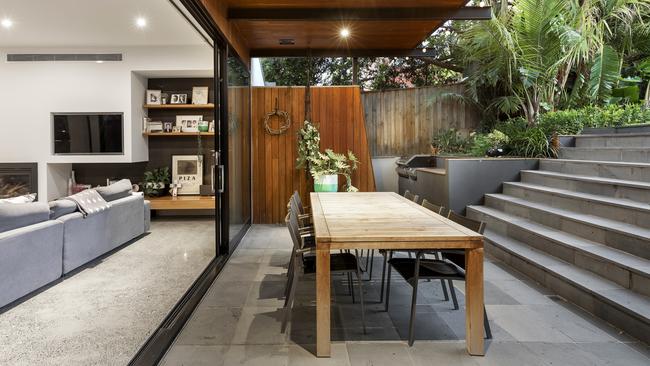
{"x": 604, "y": 73}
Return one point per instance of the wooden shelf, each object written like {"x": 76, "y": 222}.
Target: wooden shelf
{"x": 182, "y": 203}
{"x": 177, "y": 134}
{"x": 179, "y": 106}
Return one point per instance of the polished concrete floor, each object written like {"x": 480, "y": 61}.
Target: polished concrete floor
{"x": 102, "y": 314}
{"x": 238, "y": 321}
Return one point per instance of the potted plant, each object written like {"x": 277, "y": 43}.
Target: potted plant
{"x": 324, "y": 167}
{"x": 155, "y": 181}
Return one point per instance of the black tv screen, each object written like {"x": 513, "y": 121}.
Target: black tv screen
{"x": 93, "y": 133}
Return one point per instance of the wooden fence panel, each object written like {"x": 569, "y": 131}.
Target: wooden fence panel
{"x": 403, "y": 121}
{"x": 338, "y": 112}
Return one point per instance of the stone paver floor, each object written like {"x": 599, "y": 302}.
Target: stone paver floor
{"x": 238, "y": 321}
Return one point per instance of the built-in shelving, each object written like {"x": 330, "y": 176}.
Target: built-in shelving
{"x": 176, "y": 134}
{"x": 179, "y": 106}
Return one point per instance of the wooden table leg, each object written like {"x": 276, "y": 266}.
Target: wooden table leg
{"x": 474, "y": 302}
{"x": 323, "y": 303}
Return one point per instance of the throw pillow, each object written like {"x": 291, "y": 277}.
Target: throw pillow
{"x": 115, "y": 191}
{"x": 61, "y": 208}
{"x": 17, "y": 215}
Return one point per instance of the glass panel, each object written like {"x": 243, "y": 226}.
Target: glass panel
{"x": 239, "y": 172}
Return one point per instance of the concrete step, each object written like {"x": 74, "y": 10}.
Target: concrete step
{"x": 605, "y": 299}
{"x": 623, "y": 210}
{"x": 624, "y": 268}
{"x": 625, "y": 140}
{"x": 632, "y": 155}
{"x": 618, "y": 188}
{"x": 605, "y": 169}
{"x": 615, "y": 234}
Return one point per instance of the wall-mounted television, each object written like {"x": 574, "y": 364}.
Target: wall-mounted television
{"x": 88, "y": 133}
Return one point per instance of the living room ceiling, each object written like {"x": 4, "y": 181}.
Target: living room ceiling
{"x": 94, "y": 23}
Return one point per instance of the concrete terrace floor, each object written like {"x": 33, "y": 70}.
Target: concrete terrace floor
{"x": 238, "y": 321}
{"x": 103, "y": 313}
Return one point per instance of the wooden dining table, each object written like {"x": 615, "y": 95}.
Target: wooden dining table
{"x": 386, "y": 220}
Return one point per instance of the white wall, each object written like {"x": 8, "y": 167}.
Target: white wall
{"x": 31, "y": 91}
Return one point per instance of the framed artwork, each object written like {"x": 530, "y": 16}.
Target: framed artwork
{"x": 187, "y": 171}
{"x": 189, "y": 123}
{"x": 153, "y": 97}
{"x": 167, "y": 127}
{"x": 178, "y": 99}
{"x": 200, "y": 95}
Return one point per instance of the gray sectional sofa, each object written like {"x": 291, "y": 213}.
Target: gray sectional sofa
{"x": 39, "y": 243}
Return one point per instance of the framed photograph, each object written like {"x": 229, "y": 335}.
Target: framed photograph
{"x": 167, "y": 127}
{"x": 187, "y": 170}
{"x": 178, "y": 99}
{"x": 200, "y": 95}
{"x": 189, "y": 123}
{"x": 176, "y": 129}
{"x": 153, "y": 97}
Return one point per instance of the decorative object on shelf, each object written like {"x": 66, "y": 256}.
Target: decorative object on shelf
{"x": 155, "y": 126}
{"x": 206, "y": 190}
{"x": 179, "y": 99}
{"x": 174, "y": 188}
{"x": 164, "y": 98}
{"x": 189, "y": 123}
{"x": 203, "y": 126}
{"x": 155, "y": 181}
{"x": 324, "y": 167}
{"x": 282, "y": 115}
{"x": 200, "y": 95}
{"x": 72, "y": 182}
{"x": 153, "y": 97}
{"x": 167, "y": 127}
{"x": 188, "y": 171}
{"x": 176, "y": 129}
{"x": 211, "y": 126}
{"x": 145, "y": 124}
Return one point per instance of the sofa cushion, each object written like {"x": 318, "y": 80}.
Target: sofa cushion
{"x": 117, "y": 190}
{"x": 20, "y": 199}
{"x": 16, "y": 215}
{"x": 60, "y": 208}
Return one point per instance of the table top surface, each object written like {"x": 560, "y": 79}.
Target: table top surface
{"x": 386, "y": 219}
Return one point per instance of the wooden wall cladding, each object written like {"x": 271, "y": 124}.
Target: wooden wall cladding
{"x": 338, "y": 113}
{"x": 403, "y": 121}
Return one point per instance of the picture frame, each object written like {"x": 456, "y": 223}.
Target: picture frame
{"x": 188, "y": 123}
{"x": 167, "y": 127}
{"x": 187, "y": 170}
{"x": 153, "y": 97}
{"x": 178, "y": 99}
{"x": 200, "y": 95}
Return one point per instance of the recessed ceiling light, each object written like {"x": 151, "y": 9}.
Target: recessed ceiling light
{"x": 345, "y": 32}
{"x": 141, "y": 22}
{"x": 7, "y": 23}
{"x": 424, "y": 50}
{"x": 100, "y": 61}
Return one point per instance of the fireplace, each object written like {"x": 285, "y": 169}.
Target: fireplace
{"x": 17, "y": 179}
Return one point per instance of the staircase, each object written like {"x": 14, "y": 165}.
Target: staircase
{"x": 580, "y": 225}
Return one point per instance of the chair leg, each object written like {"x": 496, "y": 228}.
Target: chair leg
{"x": 453, "y": 294}
{"x": 287, "y": 289}
{"x": 414, "y": 301}
{"x": 372, "y": 261}
{"x": 351, "y": 287}
{"x": 383, "y": 277}
{"x": 290, "y": 299}
{"x": 488, "y": 331}
{"x": 349, "y": 284}
{"x": 390, "y": 255}
{"x": 442, "y": 282}
{"x": 363, "y": 310}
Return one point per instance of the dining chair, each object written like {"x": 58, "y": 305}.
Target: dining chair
{"x": 440, "y": 210}
{"x": 450, "y": 268}
{"x": 305, "y": 263}
{"x": 411, "y": 197}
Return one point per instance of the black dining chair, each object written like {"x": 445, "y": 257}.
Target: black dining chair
{"x": 450, "y": 268}
{"x": 304, "y": 263}
{"x": 411, "y": 197}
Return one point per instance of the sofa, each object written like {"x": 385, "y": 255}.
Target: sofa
{"x": 40, "y": 242}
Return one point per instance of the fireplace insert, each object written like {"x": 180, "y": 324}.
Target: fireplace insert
{"x": 17, "y": 179}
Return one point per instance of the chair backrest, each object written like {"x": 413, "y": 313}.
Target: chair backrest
{"x": 294, "y": 229}
{"x": 478, "y": 226}
{"x": 296, "y": 197}
{"x": 433, "y": 207}
{"x": 411, "y": 197}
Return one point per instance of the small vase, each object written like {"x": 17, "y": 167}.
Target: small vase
{"x": 326, "y": 183}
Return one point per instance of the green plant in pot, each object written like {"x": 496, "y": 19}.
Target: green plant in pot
{"x": 324, "y": 167}
{"x": 155, "y": 181}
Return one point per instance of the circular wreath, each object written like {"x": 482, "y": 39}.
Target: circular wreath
{"x": 286, "y": 122}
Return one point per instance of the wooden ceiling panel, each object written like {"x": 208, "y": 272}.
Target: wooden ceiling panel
{"x": 325, "y": 35}
{"x": 344, "y": 3}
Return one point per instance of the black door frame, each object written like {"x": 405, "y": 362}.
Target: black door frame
{"x": 161, "y": 339}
